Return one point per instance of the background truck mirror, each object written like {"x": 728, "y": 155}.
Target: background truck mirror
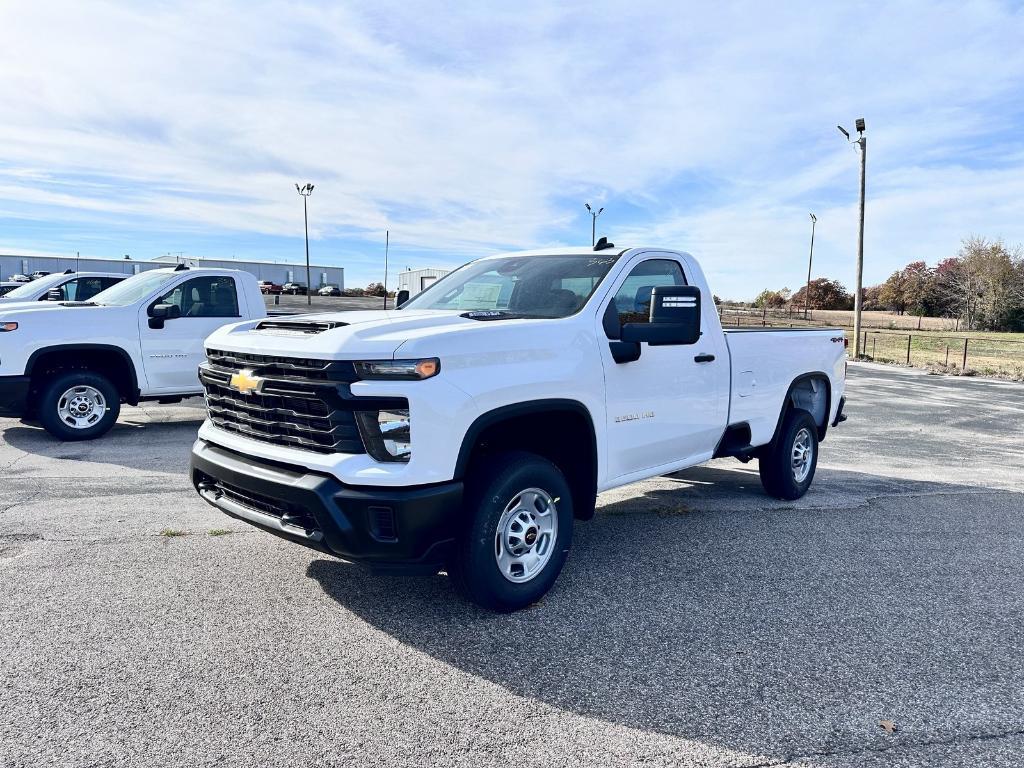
{"x": 401, "y": 297}
{"x": 55, "y": 294}
{"x": 674, "y": 318}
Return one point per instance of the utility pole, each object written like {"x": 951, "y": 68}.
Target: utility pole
{"x": 810, "y": 260}
{"x": 862, "y": 144}
{"x": 593, "y": 222}
{"x": 306, "y": 190}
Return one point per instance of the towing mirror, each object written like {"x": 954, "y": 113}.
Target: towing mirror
{"x": 401, "y": 297}
{"x": 674, "y": 318}
{"x": 158, "y": 313}
{"x": 55, "y": 294}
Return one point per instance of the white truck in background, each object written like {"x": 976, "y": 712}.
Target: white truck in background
{"x": 71, "y": 364}
{"x": 62, "y": 286}
{"x": 468, "y": 429}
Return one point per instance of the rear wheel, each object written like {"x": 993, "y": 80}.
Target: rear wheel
{"x": 518, "y": 531}
{"x": 78, "y": 405}
{"x": 787, "y": 467}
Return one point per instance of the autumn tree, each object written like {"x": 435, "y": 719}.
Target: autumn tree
{"x": 772, "y": 299}
{"x": 825, "y": 294}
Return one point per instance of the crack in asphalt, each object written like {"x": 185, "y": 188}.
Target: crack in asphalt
{"x": 883, "y": 748}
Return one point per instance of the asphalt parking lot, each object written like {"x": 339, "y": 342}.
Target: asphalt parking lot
{"x": 697, "y": 622}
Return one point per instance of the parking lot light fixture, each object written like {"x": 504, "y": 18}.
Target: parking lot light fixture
{"x": 593, "y": 222}
{"x": 810, "y": 260}
{"x": 306, "y": 190}
{"x": 861, "y": 143}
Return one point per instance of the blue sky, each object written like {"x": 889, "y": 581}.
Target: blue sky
{"x": 464, "y": 129}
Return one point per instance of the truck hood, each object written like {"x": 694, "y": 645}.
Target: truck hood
{"x": 364, "y": 334}
{"x": 27, "y": 309}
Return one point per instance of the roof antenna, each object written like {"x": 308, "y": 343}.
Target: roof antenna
{"x": 602, "y": 244}
{"x": 182, "y": 266}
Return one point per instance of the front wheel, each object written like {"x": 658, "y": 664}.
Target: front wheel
{"x": 78, "y": 405}
{"x": 519, "y": 530}
{"x": 787, "y": 467}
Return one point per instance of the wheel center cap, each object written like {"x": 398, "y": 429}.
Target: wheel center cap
{"x": 530, "y": 537}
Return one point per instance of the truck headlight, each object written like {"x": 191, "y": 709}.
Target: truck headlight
{"x": 403, "y": 370}
{"x": 386, "y": 434}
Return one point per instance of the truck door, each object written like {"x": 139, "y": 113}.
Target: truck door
{"x": 172, "y": 354}
{"x": 667, "y": 407}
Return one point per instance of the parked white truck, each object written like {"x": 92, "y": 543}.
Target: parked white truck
{"x": 71, "y": 364}
{"x": 64, "y": 286}
{"x": 468, "y": 429}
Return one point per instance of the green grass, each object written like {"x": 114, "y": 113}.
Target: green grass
{"x": 171, "y": 533}
{"x": 219, "y": 531}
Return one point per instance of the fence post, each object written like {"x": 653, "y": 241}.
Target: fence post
{"x": 864, "y": 345}
{"x": 874, "y": 341}
{"x": 964, "y": 368}
{"x": 947, "y": 355}
{"x": 909, "y": 337}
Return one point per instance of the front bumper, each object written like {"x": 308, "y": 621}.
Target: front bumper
{"x": 14, "y": 395}
{"x": 408, "y": 529}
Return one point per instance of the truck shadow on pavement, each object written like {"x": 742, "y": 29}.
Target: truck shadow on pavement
{"x": 701, "y": 609}
{"x": 133, "y": 444}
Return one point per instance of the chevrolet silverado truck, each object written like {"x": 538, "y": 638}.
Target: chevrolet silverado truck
{"x": 469, "y": 429}
{"x": 71, "y": 364}
{"x": 65, "y": 286}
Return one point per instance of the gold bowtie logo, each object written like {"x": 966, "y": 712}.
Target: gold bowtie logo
{"x": 245, "y": 383}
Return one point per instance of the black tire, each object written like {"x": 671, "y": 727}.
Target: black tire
{"x": 779, "y": 476}
{"x": 495, "y": 484}
{"x": 106, "y": 408}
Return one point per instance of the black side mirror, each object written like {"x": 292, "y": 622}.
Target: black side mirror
{"x": 401, "y": 297}
{"x": 674, "y": 318}
{"x": 158, "y": 313}
{"x": 55, "y": 294}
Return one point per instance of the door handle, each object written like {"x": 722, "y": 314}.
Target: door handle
{"x": 703, "y": 358}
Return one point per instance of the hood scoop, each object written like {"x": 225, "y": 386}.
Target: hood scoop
{"x": 79, "y": 304}
{"x": 298, "y": 327}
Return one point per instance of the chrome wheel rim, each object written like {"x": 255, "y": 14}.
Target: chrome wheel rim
{"x": 802, "y": 455}
{"x": 525, "y": 538}
{"x": 81, "y": 407}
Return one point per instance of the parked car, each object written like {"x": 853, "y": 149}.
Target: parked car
{"x": 270, "y": 288}
{"x": 296, "y": 289}
{"x": 71, "y": 365}
{"x": 20, "y": 279}
{"x": 37, "y": 274}
{"x": 65, "y": 286}
{"x": 7, "y": 286}
{"x": 329, "y": 290}
{"x": 469, "y": 429}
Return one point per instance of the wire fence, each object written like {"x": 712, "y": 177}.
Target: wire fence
{"x": 959, "y": 353}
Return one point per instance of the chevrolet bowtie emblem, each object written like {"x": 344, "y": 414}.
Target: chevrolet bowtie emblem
{"x": 245, "y": 383}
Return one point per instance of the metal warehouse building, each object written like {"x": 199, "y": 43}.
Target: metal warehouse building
{"x": 263, "y": 270}
{"x": 416, "y": 280}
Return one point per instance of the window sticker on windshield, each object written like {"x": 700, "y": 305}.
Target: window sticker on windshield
{"x": 600, "y": 262}
{"x": 479, "y": 296}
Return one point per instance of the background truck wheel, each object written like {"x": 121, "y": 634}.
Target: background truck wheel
{"x": 519, "y": 529}
{"x": 78, "y": 405}
{"x": 787, "y": 468}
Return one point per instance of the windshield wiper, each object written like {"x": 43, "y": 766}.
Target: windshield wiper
{"x": 498, "y": 314}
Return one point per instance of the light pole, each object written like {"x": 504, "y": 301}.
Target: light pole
{"x": 306, "y": 190}
{"x": 593, "y": 222}
{"x": 810, "y": 260}
{"x": 862, "y": 144}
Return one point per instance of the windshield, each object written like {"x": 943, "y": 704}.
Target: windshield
{"x": 28, "y": 290}
{"x": 134, "y": 288}
{"x": 520, "y": 286}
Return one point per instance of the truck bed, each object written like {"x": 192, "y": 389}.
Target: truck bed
{"x": 764, "y": 363}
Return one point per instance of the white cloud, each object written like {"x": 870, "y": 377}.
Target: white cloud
{"x": 463, "y": 129}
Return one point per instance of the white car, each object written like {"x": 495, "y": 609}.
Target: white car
{"x": 65, "y": 286}
{"x": 72, "y": 364}
{"x": 469, "y": 429}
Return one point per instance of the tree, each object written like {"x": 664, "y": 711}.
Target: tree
{"x": 772, "y": 299}
{"x": 872, "y": 300}
{"x": 825, "y": 294}
{"x": 982, "y": 284}
{"x": 893, "y": 293}
{"x": 374, "y": 289}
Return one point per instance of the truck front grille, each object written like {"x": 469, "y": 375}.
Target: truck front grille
{"x": 299, "y": 403}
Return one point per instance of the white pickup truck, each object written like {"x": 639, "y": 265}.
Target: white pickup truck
{"x": 63, "y": 286}
{"x": 71, "y": 364}
{"x": 467, "y": 430}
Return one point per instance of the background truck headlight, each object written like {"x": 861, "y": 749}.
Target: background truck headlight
{"x": 386, "y": 434}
